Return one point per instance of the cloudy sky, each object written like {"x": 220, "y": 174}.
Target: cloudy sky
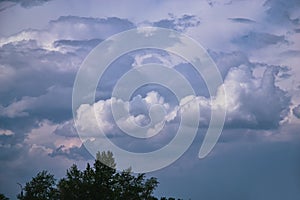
{"x": 254, "y": 44}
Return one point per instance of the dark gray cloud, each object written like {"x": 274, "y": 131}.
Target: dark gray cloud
{"x": 242, "y": 20}
{"x": 258, "y": 40}
{"x": 290, "y": 53}
{"x": 88, "y": 28}
{"x": 227, "y": 60}
{"x": 55, "y": 105}
{"x": 27, "y": 3}
{"x": 47, "y": 76}
{"x": 36, "y": 79}
{"x": 178, "y": 23}
{"x": 77, "y": 43}
{"x": 296, "y": 111}
{"x": 67, "y": 33}
{"x": 45, "y": 89}
{"x": 24, "y": 161}
{"x": 32, "y": 66}
{"x": 281, "y": 12}
{"x": 38, "y": 68}
{"x": 73, "y": 153}
{"x": 5, "y": 4}
{"x": 66, "y": 129}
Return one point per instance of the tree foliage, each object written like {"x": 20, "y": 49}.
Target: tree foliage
{"x": 3, "y": 197}
{"x": 100, "y": 181}
{"x": 41, "y": 187}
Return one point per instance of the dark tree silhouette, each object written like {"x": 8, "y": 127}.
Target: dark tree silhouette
{"x": 41, "y": 187}
{"x": 103, "y": 182}
{"x": 100, "y": 181}
{"x": 3, "y": 197}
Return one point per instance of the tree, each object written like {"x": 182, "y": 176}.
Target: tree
{"x": 100, "y": 181}
{"x": 3, "y": 197}
{"x": 106, "y": 158}
{"x": 103, "y": 182}
{"x": 41, "y": 187}
{"x": 70, "y": 187}
{"x": 104, "y": 175}
{"x": 134, "y": 187}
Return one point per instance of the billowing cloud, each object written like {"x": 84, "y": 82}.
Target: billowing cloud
{"x": 91, "y": 119}
{"x": 252, "y": 102}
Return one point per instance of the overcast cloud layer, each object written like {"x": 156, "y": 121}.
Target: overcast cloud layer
{"x": 255, "y": 45}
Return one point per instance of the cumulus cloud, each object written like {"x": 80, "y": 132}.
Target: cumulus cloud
{"x": 68, "y": 39}
{"x": 91, "y": 119}
{"x": 252, "y": 102}
{"x": 149, "y": 125}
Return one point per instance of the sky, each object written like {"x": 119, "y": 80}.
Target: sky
{"x": 255, "y": 46}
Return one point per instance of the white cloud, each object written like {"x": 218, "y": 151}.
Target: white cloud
{"x": 6, "y": 132}
{"x": 163, "y": 58}
{"x": 91, "y": 119}
{"x": 44, "y": 140}
{"x": 251, "y": 102}
{"x": 17, "y": 109}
